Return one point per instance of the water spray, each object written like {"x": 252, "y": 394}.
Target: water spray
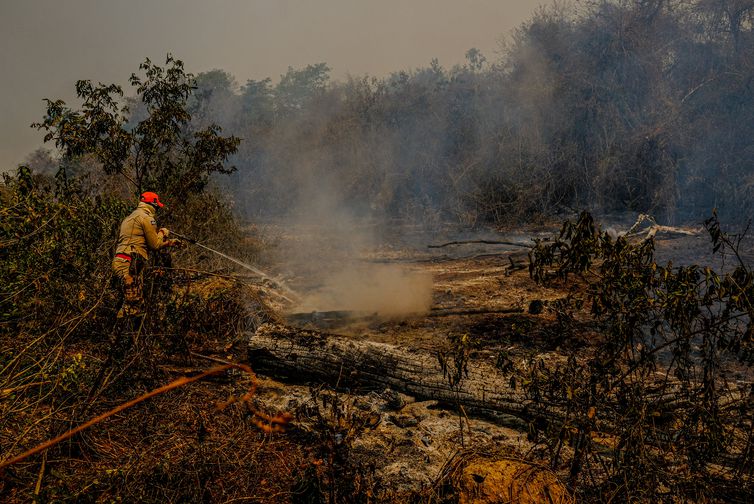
{"x": 249, "y": 267}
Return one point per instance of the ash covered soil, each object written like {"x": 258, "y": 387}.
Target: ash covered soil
{"x": 481, "y": 292}
{"x": 479, "y": 289}
{"x": 412, "y": 443}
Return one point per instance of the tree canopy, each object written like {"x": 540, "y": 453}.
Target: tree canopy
{"x": 153, "y": 143}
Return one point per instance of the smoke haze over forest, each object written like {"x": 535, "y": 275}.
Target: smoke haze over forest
{"x": 46, "y": 45}
{"x": 610, "y": 105}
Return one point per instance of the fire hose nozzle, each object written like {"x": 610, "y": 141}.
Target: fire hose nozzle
{"x": 183, "y": 237}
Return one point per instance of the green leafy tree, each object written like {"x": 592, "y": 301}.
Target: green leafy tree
{"x": 161, "y": 151}
{"x": 214, "y": 101}
{"x": 475, "y": 59}
{"x": 297, "y": 87}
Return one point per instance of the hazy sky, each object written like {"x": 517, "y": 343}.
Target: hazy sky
{"x": 46, "y": 45}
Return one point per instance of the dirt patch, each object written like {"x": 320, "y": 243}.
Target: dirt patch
{"x": 468, "y": 295}
{"x": 510, "y": 480}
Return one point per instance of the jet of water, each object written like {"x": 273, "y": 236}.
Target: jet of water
{"x": 249, "y": 267}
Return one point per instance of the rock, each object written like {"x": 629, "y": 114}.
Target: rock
{"x": 404, "y": 421}
{"x": 366, "y": 403}
{"x": 393, "y": 399}
{"x": 536, "y": 306}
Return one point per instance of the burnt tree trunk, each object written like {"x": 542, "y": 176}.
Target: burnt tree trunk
{"x": 287, "y": 352}
{"x": 284, "y": 351}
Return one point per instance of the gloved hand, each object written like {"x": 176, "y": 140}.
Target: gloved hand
{"x": 165, "y": 232}
{"x": 174, "y": 243}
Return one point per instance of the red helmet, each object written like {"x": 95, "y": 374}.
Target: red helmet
{"x": 151, "y": 198}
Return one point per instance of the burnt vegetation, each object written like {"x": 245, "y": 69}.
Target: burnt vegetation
{"x": 612, "y": 106}
{"x": 661, "y": 407}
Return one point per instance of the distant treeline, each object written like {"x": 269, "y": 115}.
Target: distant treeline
{"x": 611, "y": 105}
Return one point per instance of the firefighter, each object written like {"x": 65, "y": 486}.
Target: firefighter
{"x": 138, "y": 235}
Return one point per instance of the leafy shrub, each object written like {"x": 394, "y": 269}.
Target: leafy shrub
{"x": 655, "y": 411}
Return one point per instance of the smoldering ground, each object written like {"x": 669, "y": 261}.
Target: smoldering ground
{"x": 388, "y": 290}
{"x": 327, "y": 253}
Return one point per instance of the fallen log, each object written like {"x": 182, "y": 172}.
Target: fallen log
{"x": 299, "y": 354}
{"x": 655, "y": 228}
{"x": 284, "y": 351}
{"x": 484, "y": 242}
{"x": 438, "y": 312}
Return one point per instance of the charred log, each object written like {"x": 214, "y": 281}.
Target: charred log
{"x": 483, "y": 242}
{"x": 286, "y": 352}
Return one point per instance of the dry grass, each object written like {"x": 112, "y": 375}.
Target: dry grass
{"x": 177, "y": 448}
{"x": 194, "y": 443}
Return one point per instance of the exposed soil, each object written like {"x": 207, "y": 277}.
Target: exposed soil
{"x": 413, "y": 443}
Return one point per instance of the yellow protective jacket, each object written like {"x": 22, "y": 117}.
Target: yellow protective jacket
{"x": 139, "y": 234}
